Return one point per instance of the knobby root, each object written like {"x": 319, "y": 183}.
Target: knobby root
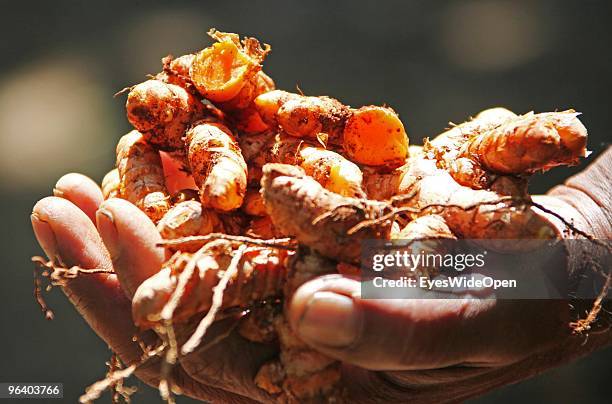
{"x": 217, "y": 299}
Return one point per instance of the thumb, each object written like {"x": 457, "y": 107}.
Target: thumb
{"x": 329, "y": 314}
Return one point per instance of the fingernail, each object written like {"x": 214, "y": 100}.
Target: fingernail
{"x": 45, "y": 236}
{"x": 330, "y": 319}
{"x": 108, "y": 231}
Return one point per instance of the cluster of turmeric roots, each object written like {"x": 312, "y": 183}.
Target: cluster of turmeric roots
{"x": 286, "y": 186}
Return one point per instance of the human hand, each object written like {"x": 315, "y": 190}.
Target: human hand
{"x": 77, "y": 228}
{"x": 459, "y": 349}
{"x": 449, "y": 350}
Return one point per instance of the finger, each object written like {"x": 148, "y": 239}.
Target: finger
{"x": 588, "y": 193}
{"x": 66, "y": 234}
{"x": 65, "y": 231}
{"x": 80, "y": 190}
{"x": 131, "y": 239}
{"x": 176, "y": 176}
{"x": 594, "y": 181}
{"x": 563, "y": 209}
{"x": 408, "y": 334}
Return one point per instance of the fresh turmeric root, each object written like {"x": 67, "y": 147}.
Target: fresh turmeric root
{"x": 302, "y": 116}
{"x": 217, "y": 165}
{"x": 502, "y": 210}
{"x": 451, "y": 175}
{"x": 529, "y": 143}
{"x": 111, "y": 184}
{"x": 176, "y": 71}
{"x": 330, "y": 169}
{"x": 320, "y": 219}
{"x": 261, "y": 275}
{"x": 263, "y": 228}
{"x": 253, "y": 204}
{"x": 438, "y": 207}
{"x": 189, "y": 218}
{"x": 268, "y": 104}
{"x": 369, "y": 135}
{"x": 229, "y": 74}
{"x": 162, "y": 112}
{"x": 289, "y": 186}
{"x": 301, "y": 374}
{"x": 141, "y": 175}
{"x": 375, "y": 136}
{"x": 425, "y": 234}
{"x": 229, "y": 68}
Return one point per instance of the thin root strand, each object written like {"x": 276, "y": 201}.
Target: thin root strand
{"x": 217, "y": 299}
{"x": 56, "y": 276}
{"x": 280, "y": 243}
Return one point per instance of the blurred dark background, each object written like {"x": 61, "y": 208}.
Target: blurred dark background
{"x": 434, "y": 62}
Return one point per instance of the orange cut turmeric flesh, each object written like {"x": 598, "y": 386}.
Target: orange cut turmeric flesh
{"x": 375, "y": 136}
{"x": 220, "y": 71}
